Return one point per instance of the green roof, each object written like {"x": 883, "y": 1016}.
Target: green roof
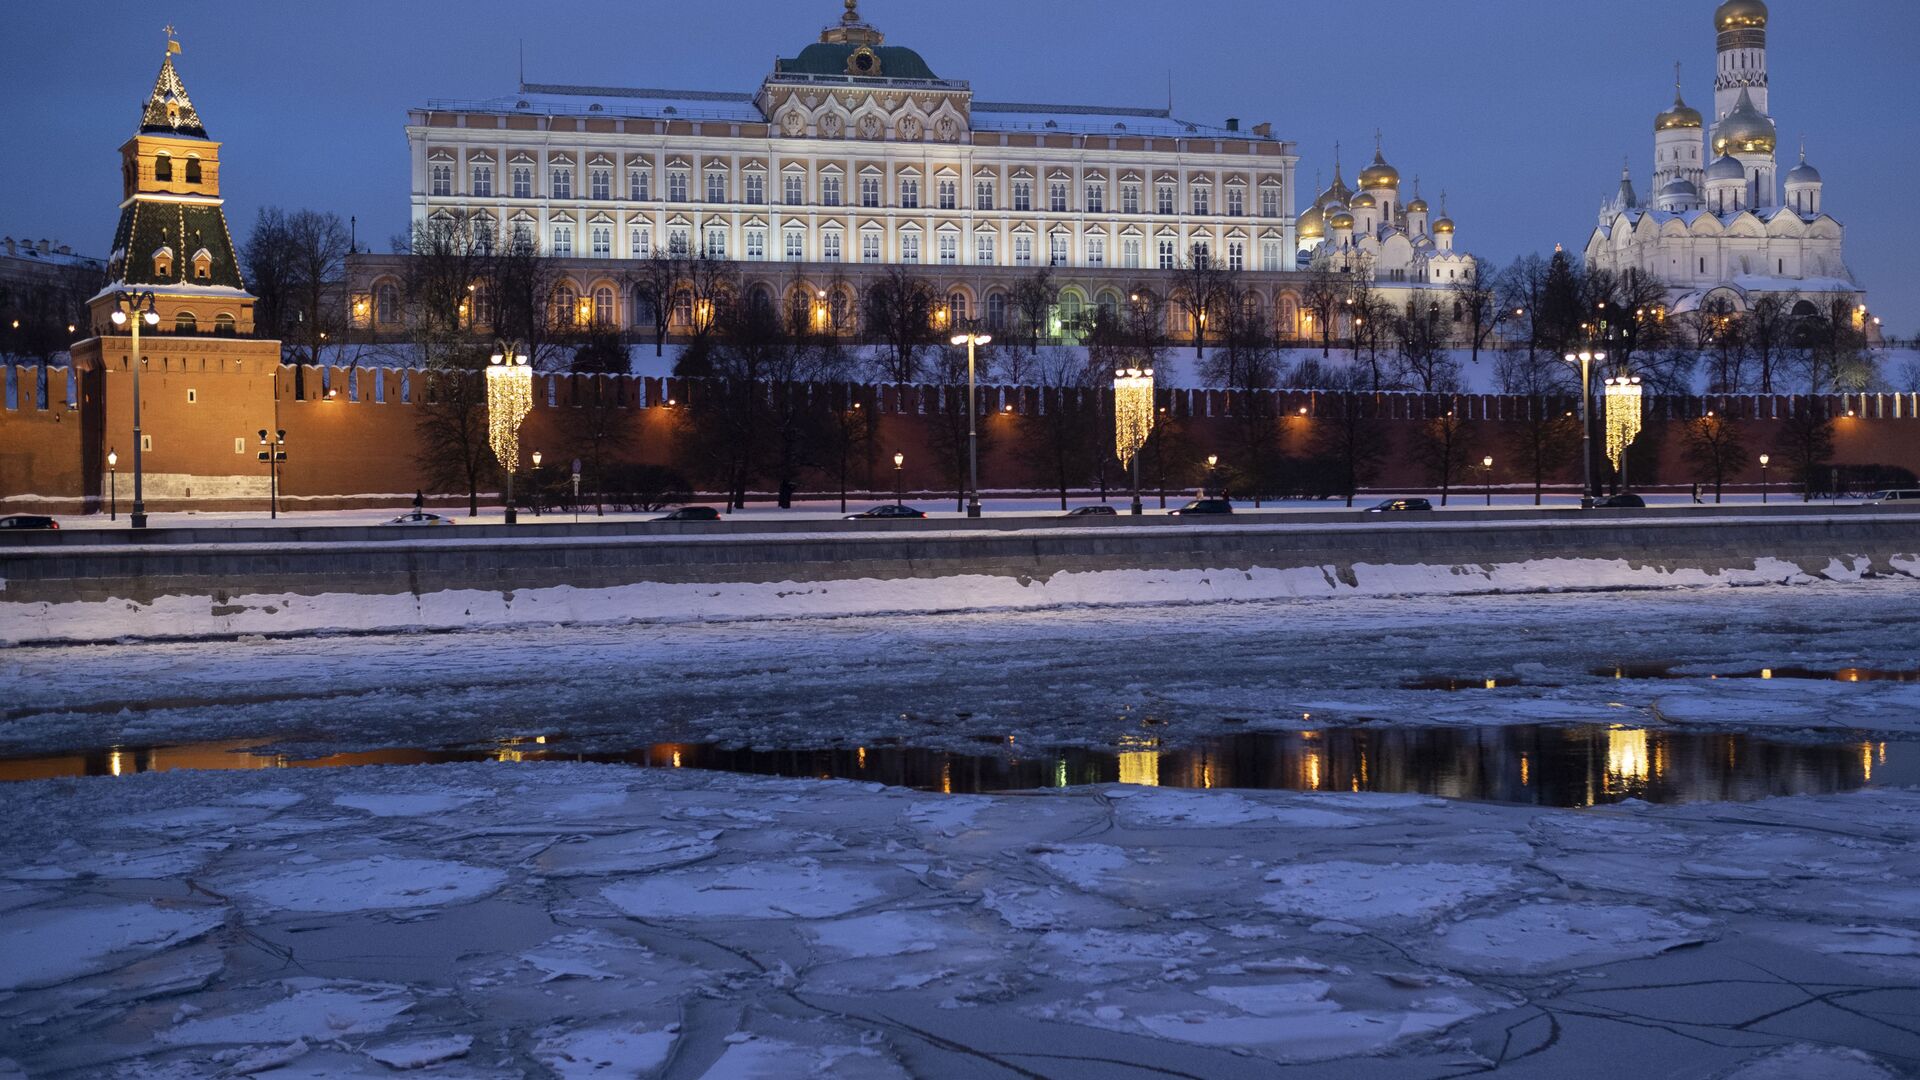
{"x": 826, "y": 58}
{"x": 184, "y": 228}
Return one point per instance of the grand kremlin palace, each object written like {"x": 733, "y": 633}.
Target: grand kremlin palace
{"x": 854, "y": 156}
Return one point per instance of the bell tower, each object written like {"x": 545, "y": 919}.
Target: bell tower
{"x": 172, "y": 238}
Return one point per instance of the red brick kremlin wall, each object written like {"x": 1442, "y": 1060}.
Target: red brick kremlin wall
{"x": 353, "y": 438}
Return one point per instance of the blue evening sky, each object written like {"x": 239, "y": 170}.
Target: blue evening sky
{"x": 1519, "y": 109}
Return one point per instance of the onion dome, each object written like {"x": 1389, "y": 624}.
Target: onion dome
{"x": 1417, "y": 206}
{"x": 1313, "y": 224}
{"x": 1803, "y": 173}
{"x": 1680, "y": 116}
{"x": 1379, "y": 174}
{"x": 1680, "y": 188}
{"x": 1745, "y": 130}
{"x": 1337, "y": 193}
{"x": 1341, "y": 220}
{"x": 1444, "y": 225}
{"x": 1725, "y": 168}
{"x": 1741, "y": 15}
{"x": 1364, "y": 201}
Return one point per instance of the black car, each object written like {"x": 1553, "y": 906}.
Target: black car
{"x": 886, "y": 512}
{"x": 28, "y": 521}
{"x": 1092, "y": 511}
{"x": 1204, "y": 508}
{"x": 1400, "y": 506}
{"x": 692, "y": 513}
{"x": 1626, "y": 500}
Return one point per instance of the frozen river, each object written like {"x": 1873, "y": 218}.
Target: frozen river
{"x": 523, "y": 899}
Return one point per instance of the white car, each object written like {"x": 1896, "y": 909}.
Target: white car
{"x": 1897, "y": 495}
{"x": 419, "y": 517}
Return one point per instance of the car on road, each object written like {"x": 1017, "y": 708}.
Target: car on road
{"x": 1092, "y": 511}
{"x": 1626, "y": 500}
{"x": 897, "y": 512}
{"x": 1897, "y": 495}
{"x": 28, "y": 521}
{"x": 1400, "y": 506}
{"x": 692, "y": 513}
{"x": 1204, "y": 508}
{"x": 419, "y": 517}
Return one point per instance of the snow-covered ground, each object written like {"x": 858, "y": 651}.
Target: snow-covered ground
{"x": 597, "y": 921}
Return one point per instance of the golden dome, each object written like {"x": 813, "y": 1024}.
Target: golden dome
{"x": 1341, "y": 220}
{"x": 1417, "y": 206}
{"x": 1444, "y": 225}
{"x": 1745, "y": 130}
{"x": 1681, "y": 115}
{"x": 1313, "y": 224}
{"x": 1741, "y": 15}
{"x": 1364, "y": 201}
{"x": 1379, "y": 174}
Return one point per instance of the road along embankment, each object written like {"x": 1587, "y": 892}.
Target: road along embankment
{"x": 309, "y": 582}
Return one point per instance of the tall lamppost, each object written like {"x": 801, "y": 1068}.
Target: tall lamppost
{"x": 1586, "y": 359}
{"x": 536, "y": 483}
{"x": 273, "y": 451}
{"x": 113, "y": 480}
{"x": 509, "y": 400}
{"x": 899, "y": 492}
{"x": 1132, "y": 420}
{"x": 971, "y": 340}
{"x": 1765, "y": 460}
{"x": 133, "y": 309}
{"x": 1213, "y": 463}
{"x": 1487, "y": 464}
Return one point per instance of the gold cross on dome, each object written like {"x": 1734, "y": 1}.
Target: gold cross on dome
{"x": 173, "y": 43}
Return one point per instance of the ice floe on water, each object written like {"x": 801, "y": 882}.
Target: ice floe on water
{"x": 374, "y": 882}
{"x": 45, "y": 946}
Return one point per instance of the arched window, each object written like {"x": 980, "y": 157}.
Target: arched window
{"x": 163, "y": 167}
{"x": 997, "y": 311}
{"x": 840, "y": 310}
{"x": 193, "y": 170}
{"x": 603, "y": 306}
{"x": 683, "y": 308}
{"x": 957, "y": 304}
{"x": 760, "y": 299}
{"x": 642, "y": 306}
{"x": 800, "y": 308}
{"x": 223, "y": 323}
{"x": 566, "y": 305}
{"x": 185, "y": 323}
{"x": 387, "y": 304}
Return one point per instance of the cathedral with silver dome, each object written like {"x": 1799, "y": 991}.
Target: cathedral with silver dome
{"x": 1718, "y": 226}
{"x": 1373, "y": 232}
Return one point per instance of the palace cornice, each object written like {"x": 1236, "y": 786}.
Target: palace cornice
{"x": 611, "y": 140}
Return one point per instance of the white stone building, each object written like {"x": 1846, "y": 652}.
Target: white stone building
{"x": 1373, "y": 232}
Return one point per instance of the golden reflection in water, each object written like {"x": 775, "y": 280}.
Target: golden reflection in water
{"x": 1628, "y": 759}
{"x": 1524, "y": 771}
{"x": 117, "y": 762}
{"x": 1060, "y": 773}
{"x": 1866, "y": 760}
{"x": 1312, "y": 770}
{"x": 946, "y": 777}
{"x": 1766, "y": 673}
{"x": 676, "y": 759}
{"x": 1140, "y": 768}
{"x": 1493, "y": 684}
{"x": 863, "y": 757}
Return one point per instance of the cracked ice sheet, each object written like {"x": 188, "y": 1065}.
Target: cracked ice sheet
{"x": 803, "y": 683}
{"x": 1207, "y": 933}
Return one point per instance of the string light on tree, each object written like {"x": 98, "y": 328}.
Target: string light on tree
{"x": 1624, "y": 401}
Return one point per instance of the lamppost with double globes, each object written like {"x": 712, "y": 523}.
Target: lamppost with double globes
{"x": 273, "y": 451}
{"x": 1586, "y": 358}
{"x": 132, "y": 310}
{"x": 972, "y": 339}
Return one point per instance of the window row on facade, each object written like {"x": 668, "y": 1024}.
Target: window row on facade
{"x": 829, "y": 185}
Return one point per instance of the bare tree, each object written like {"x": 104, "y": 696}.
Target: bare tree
{"x": 518, "y": 294}
{"x": 1247, "y": 365}
{"x": 1421, "y": 355}
{"x": 1445, "y": 446}
{"x": 451, "y": 418}
{"x": 652, "y": 284}
{"x": 1322, "y": 298}
{"x": 1769, "y": 334}
{"x": 1804, "y": 443}
{"x": 1476, "y": 303}
{"x": 900, "y": 310}
{"x": 1060, "y": 439}
{"x": 1370, "y": 320}
{"x": 1719, "y": 331}
{"x": 295, "y": 264}
{"x": 1714, "y": 447}
{"x": 1034, "y": 297}
{"x": 947, "y": 423}
{"x": 1546, "y": 439}
{"x": 1348, "y": 438}
{"x": 1202, "y": 288}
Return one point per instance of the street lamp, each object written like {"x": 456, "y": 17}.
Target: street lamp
{"x": 1586, "y": 358}
{"x": 536, "y": 483}
{"x": 899, "y": 492}
{"x": 1213, "y": 463}
{"x": 274, "y": 453}
{"x": 1132, "y": 420}
{"x": 1765, "y": 460}
{"x": 113, "y": 475}
{"x": 972, "y": 340}
{"x": 1487, "y": 464}
{"x": 128, "y": 312}
{"x": 509, "y": 400}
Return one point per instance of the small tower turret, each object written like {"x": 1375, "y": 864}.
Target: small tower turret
{"x": 1805, "y": 187}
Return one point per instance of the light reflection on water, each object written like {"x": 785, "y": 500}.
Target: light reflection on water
{"x": 1537, "y": 764}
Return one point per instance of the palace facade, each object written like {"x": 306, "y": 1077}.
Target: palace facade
{"x": 852, "y": 157}
{"x": 1718, "y": 228}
